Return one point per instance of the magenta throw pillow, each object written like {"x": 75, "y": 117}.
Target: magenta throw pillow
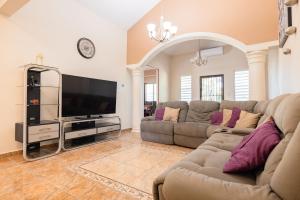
{"x": 234, "y": 117}
{"x": 254, "y": 149}
{"x": 216, "y": 118}
{"x": 159, "y": 114}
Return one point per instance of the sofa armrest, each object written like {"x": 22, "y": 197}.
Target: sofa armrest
{"x": 149, "y": 118}
{"x": 242, "y": 131}
{"x": 182, "y": 184}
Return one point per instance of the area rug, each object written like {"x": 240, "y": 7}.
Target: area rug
{"x": 132, "y": 170}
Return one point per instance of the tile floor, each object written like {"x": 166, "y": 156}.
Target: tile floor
{"x": 53, "y": 179}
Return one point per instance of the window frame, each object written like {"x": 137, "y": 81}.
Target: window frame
{"x": 155, "y": 91}
{"x": 212, "y": 76}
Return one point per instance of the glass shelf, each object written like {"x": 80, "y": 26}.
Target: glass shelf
{"x": 40, "y": 86}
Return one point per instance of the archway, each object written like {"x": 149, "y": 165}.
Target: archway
{"x": 255, "y": 58}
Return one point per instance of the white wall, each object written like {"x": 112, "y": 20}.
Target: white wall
{"x": 53, "y": 29}
{"x": 272, "y": 73}
{"x": 289, "y": 65}
{"x": 162, "y": 62}
{"x": 231, "y": 61}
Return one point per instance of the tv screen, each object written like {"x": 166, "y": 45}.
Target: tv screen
{"x": 86, "y": 96}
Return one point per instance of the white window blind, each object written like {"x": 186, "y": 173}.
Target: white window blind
{"x": 150, "y": 92}
{"x": 186, "y": 88}
{"x": 241, "y": 85}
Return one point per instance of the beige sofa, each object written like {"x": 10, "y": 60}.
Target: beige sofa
{"x": 193, "y": 126}
{"x": 199, "y": 176}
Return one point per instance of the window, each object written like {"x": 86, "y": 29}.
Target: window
{"x": 150, "y": 92}
{"x": 212, "y": 88}
{"x": 186, "y": 88}
{"x": 241, "y": 82}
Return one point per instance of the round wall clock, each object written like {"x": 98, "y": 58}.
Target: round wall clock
{"x": 86, "y": 48}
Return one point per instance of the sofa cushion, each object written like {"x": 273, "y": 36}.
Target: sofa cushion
{"x": 171, "y": 114}
{"x": 243, "y": 105}
{"x": 216, "y": 118}
{"x": 223, "y": 141}
{"x": 177, "y": 104}
{"x": 159, "y": 127}
{"x": 272, "y": 162}
{"x": 159, "y": 114}
{"x": 226, "y": 117}
{"x": 261, "y": 107}
{"x": 286, "y": 179}
{"x": 247, "y": 120}
{"x": 192, "y": 129}
{"x": 235, "y": 116}
{"x": 271, "y": 108}
{"x": 287, "y": 114}
{"x": 254, "y": 149}
{"x": 200, "y": 111}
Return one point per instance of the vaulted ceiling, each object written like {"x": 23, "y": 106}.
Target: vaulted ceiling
{"x": 124, "y": 13}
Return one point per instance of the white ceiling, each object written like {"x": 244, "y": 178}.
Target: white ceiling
{"x": 124, "y": 13}
{"x": 192, "y": 46}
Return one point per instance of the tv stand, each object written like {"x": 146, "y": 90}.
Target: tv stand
{"x": 82, "y": 132}
{"x": 89, "y": 117}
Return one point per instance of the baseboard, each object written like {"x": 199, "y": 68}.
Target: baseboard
{"x": 12, "y": 153}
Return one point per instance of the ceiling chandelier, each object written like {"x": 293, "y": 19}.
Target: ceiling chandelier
{"x": 165, "y": 31}
{"x": 198, "y": 60}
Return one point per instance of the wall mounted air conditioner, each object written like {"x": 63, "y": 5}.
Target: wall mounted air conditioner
{"x": 217, "y": 51}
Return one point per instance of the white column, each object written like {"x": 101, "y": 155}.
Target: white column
{"x": 137, "y": 98}
{"x": 257, "y": 61}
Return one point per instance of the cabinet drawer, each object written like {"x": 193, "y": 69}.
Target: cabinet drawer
{"x": 78, "y": 134}
{"x": 43, "y": 136}
{"x": 32, "y": 130}
{"x": 108, "y": 129}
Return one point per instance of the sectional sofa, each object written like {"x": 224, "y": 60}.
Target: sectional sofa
{"x": 199, "y": 176}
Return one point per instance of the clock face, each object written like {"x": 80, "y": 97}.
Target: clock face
{"x": 86, "y": 48}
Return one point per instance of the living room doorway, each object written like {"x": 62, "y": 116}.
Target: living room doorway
{"x": 151, "y": 91}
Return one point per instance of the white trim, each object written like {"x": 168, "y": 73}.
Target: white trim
{"x": 196, "y": 36}
{"x": 187, "y": 37}
{"x": 262, "y": 46}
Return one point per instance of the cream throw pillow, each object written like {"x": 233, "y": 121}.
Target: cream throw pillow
{"x": 247, "y": 120}
{"x": 171, "y": 114}
{"x": 226, "y": 117}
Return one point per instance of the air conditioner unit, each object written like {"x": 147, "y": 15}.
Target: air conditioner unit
{"x": 217, "y": 51}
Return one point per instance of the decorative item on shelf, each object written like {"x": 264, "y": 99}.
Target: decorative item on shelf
{"x": 165, "y": 31}
{"x": 290, "y": 30}
{"x": 285, "y": 21}
{"x": 290, "y": 2}
{"x": 86, "y": 48}
{"x": 287, "y": 51}
{"x": 198, "y": 60}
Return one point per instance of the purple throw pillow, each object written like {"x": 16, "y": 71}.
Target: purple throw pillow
{"x": 216, "y": 118}
{"x": 254, "y": 149}
{"x": 234, "y": 117}
{"x": 159, "y": 114}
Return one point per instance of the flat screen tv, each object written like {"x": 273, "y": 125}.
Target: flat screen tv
{"x": 86, "y": 96}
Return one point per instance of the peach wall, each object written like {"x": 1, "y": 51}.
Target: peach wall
{"x": 250, "y": 22}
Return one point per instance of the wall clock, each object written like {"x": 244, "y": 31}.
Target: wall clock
{"x": 86, "y": 48}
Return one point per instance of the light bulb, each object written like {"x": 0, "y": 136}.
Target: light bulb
{"x": 174, "y": 30}
{"x": 151, "y": 27}
{"x": 167, "y": 25}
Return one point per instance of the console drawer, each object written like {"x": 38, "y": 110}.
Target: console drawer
{"x": 43, "y": 136}
{"x": 108, "y": 128}
{"x": 81, "y": 133}
{"x": 32, "y": 130}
